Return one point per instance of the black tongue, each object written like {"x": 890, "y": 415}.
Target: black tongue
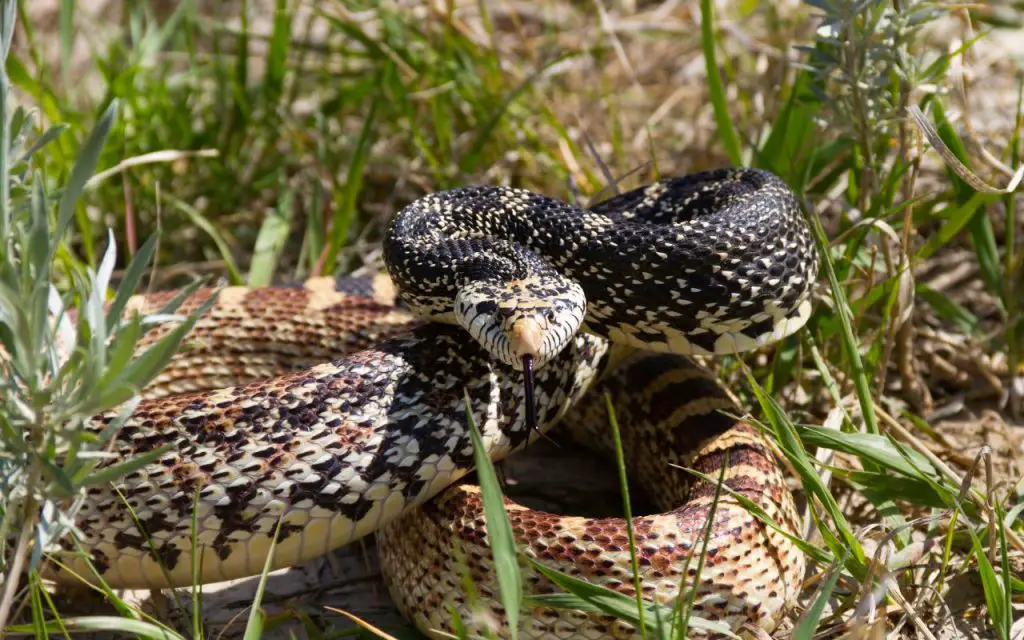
{"x": 531, "y": 406}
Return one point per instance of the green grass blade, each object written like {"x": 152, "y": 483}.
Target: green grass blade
{"x": 183, "y": 293}
{"x": 472, "y": 598}
{"x": 106, "y": 624}
{"x": 792, "y": 447}
{"x": 1013, "y": 515}
{"x": 585, "y": 596}
{"x": 85, "y": 166}
{"x": 257, "y": 618}
{"x": 147, "y": 365}
{"x": 121, "y": 385}
{"x": 277, "y": 55}
{"x": 876, "y": 448}
{"x": 948, "y": 309}
{"x": 271, "y": 241}
{"x": 48, "y": 136}
{"x": 957, "y": 218}
{"x": 499, "y": 530}
{"x": 38, "y": 594}
{"x": 200, "y": 221}
{"x": 809, "y": 623}
{"x": 197, "y": 563}
{"x": 683, "y": 613}
{"x": 457, "y": 624}
{"x": 620, "y": 463}
{"x": 887, "y": 486}
{"x": 6, "y": 215}
{"x": 345, "y": 209}
{"x": 131, "y": 279}
{"x": 485, "y": 132}
{"x": 791, "y": 129}
{"x": 850, "y": 341}
{"x": 243, "y": 108}
{"x": 115, "y": 471}
{"x": 7, "y": 20}
{"x": 66, "y": 30}
{"x": 154, "y": 40}
{"x": 995, "y": 596}
{"x": 726, "y": 132}
{"x": 1008, "y": 578}
{"x": 315, "y": 239}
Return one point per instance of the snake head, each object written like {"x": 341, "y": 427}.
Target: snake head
{"x": 522, "y": 320}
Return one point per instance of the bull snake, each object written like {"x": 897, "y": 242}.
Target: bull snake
{"x": 375, "y": 440}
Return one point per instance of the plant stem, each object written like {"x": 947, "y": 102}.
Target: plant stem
{"x": 18, "y": 562}
{"x": 1012, "y": 279}
{"x": 5, "y": 209}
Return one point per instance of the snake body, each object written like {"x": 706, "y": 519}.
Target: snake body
{"x": 710, "y": 263}
{"x": 313, "y": 459}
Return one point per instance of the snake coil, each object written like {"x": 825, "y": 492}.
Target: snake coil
{"x": 337, "y": 411}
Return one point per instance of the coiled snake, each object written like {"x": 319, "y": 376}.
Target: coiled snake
{"x": 349, "y": 412}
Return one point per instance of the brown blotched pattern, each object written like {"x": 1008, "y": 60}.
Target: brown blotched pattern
{"x": 252, "y": 334}
{"x": 333, "y": 451}
{"x": 671, "y": 413}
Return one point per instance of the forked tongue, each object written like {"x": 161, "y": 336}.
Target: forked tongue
{"x": 531, "y": 405}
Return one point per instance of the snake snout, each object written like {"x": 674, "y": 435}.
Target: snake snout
{"x": 526, "y": 338}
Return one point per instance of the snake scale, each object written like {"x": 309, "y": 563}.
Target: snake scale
{"x": 338, "y": 409}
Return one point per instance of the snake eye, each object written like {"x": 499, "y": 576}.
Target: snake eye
{"x": 550, "y": 315}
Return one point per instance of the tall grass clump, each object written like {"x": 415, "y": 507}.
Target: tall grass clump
{"x": 67, "y": 354}
{"x": 866, "y": 97}
{"x": 257, "y": 149}
{"x": 868, "y": 82}
{"x": 884, "y": 96}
